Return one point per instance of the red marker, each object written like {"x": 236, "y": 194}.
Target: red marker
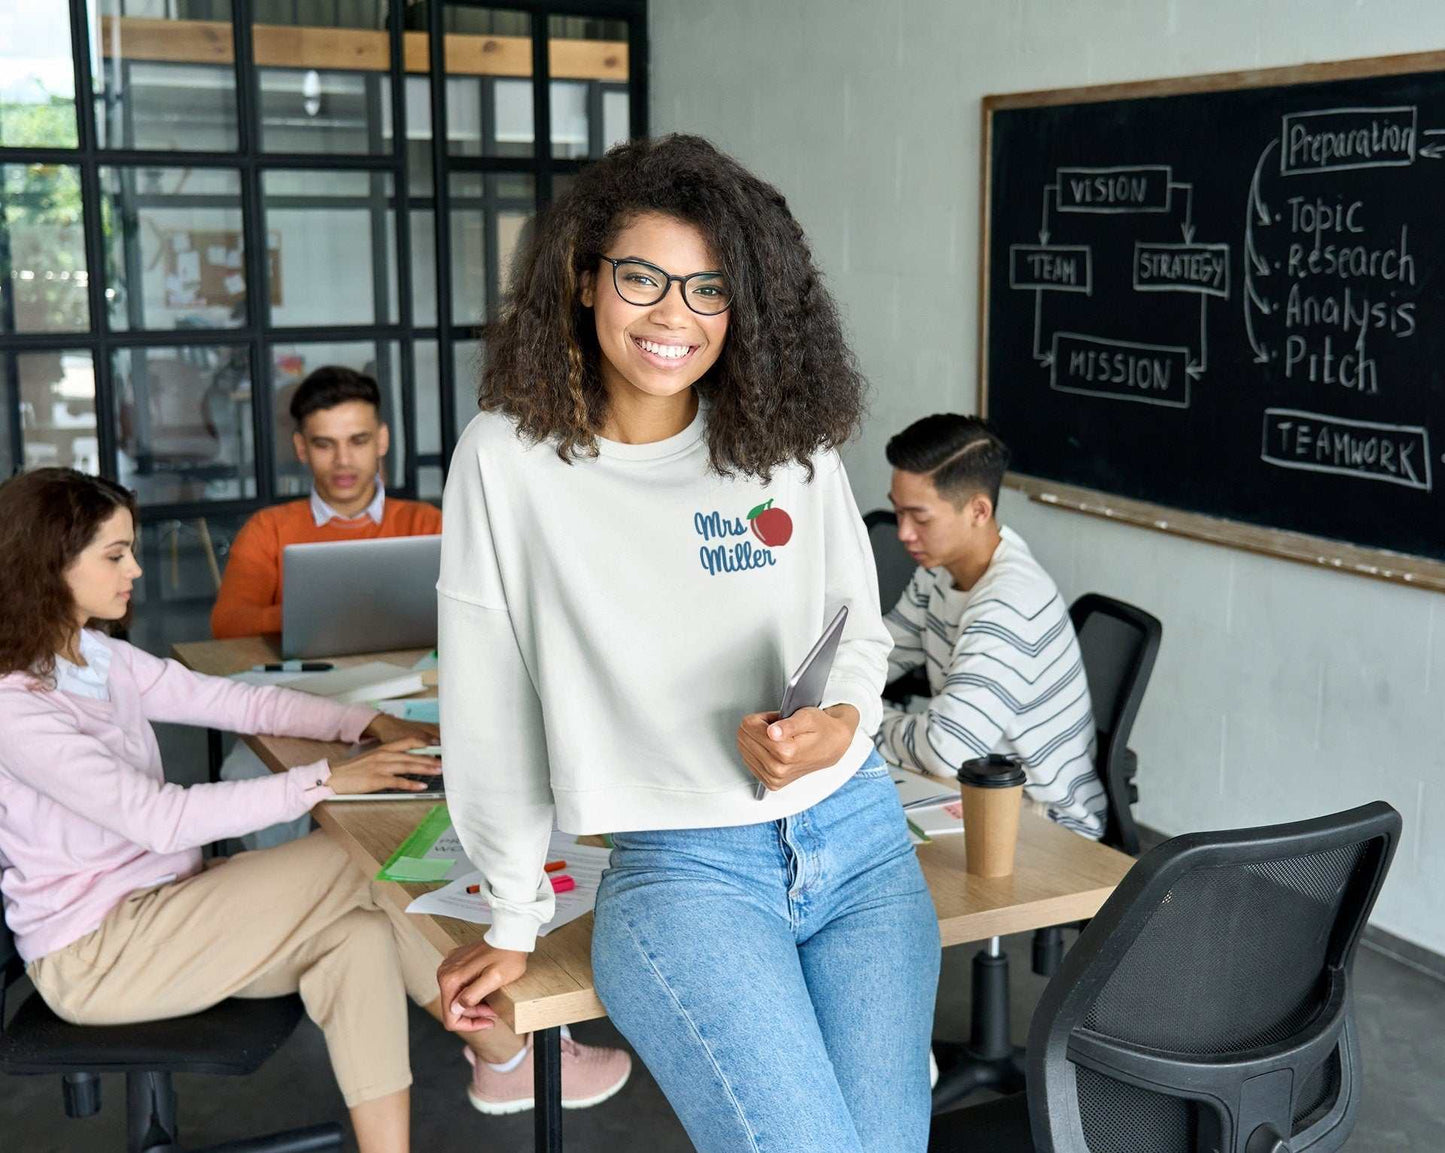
{"x": 554, "y": 866}
{"x": 562, "y": 884}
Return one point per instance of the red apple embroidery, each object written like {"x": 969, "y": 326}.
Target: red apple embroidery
{"x": 771, "y": 525}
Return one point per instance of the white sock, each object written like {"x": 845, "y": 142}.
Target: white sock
{"x": 508, "y": 1066}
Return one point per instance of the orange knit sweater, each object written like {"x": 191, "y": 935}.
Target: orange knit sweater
{"x": 249, "y": 602}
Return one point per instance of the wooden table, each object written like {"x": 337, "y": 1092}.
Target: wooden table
{"x": 1058, "y": 876}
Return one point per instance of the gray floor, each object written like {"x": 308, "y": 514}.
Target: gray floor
{"x": 1401, "y": 1014}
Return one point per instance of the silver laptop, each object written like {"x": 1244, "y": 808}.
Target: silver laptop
{"x": 359, "y": 596}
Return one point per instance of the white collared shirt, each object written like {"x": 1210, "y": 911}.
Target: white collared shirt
{"x": 321, "y": 512}
{"x": 91, "y": 679}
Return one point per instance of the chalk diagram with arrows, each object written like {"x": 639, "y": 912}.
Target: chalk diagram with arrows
{"x": 1095, "y": 364}
{"x": 1329, "y": 276}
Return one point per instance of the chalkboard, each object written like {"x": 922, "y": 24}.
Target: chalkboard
{"x": 1225, "y": 297}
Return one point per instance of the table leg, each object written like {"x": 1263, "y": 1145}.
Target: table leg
{"x": 213, "y": 774}
{"x": 213, "y": 754}
{"x": 547, "y": 1086}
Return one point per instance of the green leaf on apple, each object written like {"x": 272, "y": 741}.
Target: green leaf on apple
{"x": 762, "y": 508}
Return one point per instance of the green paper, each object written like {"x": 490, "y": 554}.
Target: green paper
{"x": 413, "y": 851}
{"x": 416, "y": 870}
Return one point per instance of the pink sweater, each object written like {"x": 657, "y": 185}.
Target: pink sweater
{"x": 86, "y": 816}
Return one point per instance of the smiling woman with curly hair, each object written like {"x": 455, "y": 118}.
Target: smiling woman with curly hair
{"x": 784, "y": 386}
{"x": 646, "y": 528}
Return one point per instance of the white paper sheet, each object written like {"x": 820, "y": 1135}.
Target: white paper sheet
{"x": 917, "y": 791}
{"x": 585, "y": 864}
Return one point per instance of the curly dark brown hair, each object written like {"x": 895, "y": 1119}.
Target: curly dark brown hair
{"x": 47, "y": 517}
{"x": 785, "y": 385}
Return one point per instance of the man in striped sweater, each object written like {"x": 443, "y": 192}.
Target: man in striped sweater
{"x": 988, "y": 627}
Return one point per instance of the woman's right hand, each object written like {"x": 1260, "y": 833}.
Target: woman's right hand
{"x": 382, "y": 768}
{"x": 468, "y": 976}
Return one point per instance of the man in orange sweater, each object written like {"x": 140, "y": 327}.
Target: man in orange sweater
{"x": 341, "y": 439}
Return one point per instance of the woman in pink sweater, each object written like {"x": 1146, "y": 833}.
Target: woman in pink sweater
{"x": 104, "y": 889}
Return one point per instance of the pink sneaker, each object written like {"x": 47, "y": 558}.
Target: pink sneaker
{"x": 590, "y": 1075}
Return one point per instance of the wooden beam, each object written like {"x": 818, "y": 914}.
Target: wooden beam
{"x": 172, "y": 41}
{"x": 473, "y": 55}
{"x": 588, "y": 60}
{"x": 326, "y": 49}
{"x": 355, "y": 49}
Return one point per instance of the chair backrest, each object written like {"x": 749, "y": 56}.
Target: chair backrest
{"x": 1119, "y": 643}
{"x": 1207, "y": 1006}
{"x": 895, "y": 567}
{"x": 11, "y": 966}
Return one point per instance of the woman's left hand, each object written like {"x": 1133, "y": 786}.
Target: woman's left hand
{"x": 386, "y": 728}
{"x": 778, "y": 751}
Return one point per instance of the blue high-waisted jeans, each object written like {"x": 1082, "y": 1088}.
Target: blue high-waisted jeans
{"x": 778, "y": 979}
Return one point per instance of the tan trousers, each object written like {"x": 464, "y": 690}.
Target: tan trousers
{"x": 299, "y": 917}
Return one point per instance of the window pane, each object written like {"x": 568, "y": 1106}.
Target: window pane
{"x": 164, "y": 83}
{"x": 512, "y": 133}
{"x": 428, "y": 399}
{"x": 489, "y": 214}
{"x": 467, "y": 369}
{"x": 324, "y": 75}
{"x": 418, "y": 127}
{"x": 183, "y": 423}
{"x": 330, "y": 233}
{"x": 181, "y": 560}
{"x": 292, "y": 363}
{"x": 42, "y": 250}
{"x": 37, "y": 82}
{"x": 57, "y": 409}
{"x": 583, "y": 54}
{"x": 489, "y": 90}
{"x": 616, "y": 116}
{"x": 175, "y": 250}
{"x": 424, "y": 267}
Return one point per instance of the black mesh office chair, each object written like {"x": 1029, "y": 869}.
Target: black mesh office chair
{"x": 1118, "y": 643}
{"x": 895, "y": 569}
{"x": 1208, "y": 1005}
{"x": 233, "y": 1038}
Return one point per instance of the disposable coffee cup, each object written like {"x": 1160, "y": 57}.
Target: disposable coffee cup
{"x": 992, "y": 792}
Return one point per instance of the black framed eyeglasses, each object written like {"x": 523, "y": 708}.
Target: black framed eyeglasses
{"x": 638, "y": 282}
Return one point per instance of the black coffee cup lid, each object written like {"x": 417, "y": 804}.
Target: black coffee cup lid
{"x": 995, "y": 771}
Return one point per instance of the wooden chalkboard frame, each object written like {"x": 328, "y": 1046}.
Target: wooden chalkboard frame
{"x": 1381, "y": 564}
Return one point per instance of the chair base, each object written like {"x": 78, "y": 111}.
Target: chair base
{"x": 989, "y": 1060}
{"x": 962, "y": 1071}
{"x": 151, "y": 1126}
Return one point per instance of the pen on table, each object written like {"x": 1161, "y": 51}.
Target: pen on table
{"x": 554, "y": 866}
{"x": 294, "y": 667}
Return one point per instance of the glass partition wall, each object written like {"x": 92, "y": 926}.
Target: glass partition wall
{"x": 243, "y": 190}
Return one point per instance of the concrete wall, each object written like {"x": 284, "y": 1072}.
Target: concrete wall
{"x": 1281, "y": 691}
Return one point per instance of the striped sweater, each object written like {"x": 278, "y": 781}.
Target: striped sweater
{"x": 1006, "y": 675}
